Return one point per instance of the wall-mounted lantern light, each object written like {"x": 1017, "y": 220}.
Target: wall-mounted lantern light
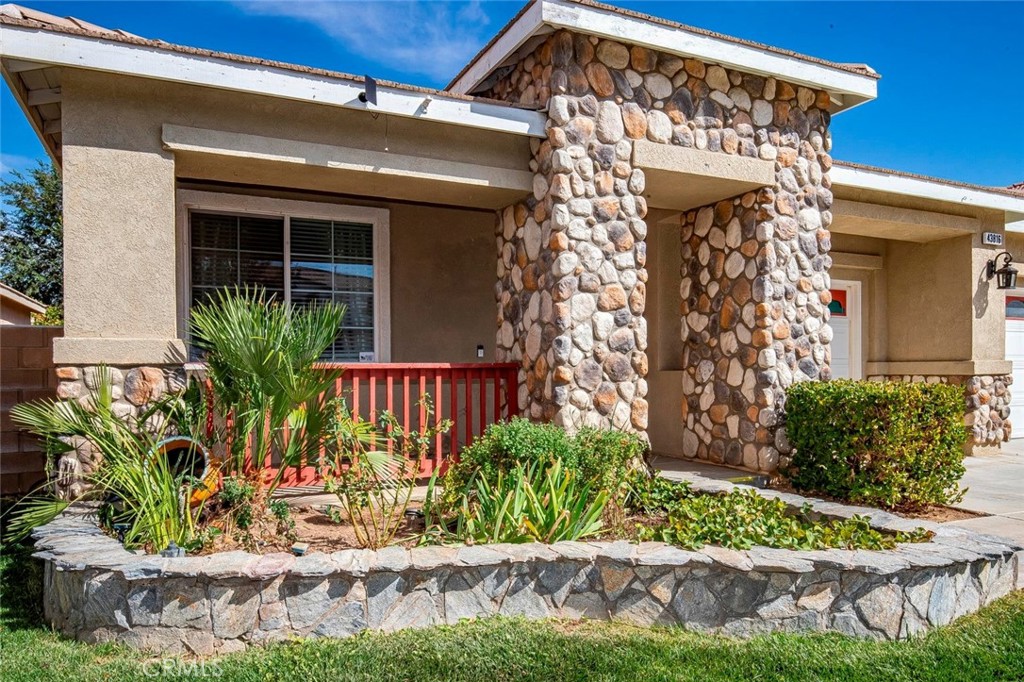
{"x": 1006, "y": 276}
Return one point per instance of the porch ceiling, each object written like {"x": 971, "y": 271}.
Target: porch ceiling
{"x": 216, "y": 155}
{"x": 681, "y": 178}
{"x": 901, "y": 224}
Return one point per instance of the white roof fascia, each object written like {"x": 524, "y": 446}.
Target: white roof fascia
{"x": 862, "y": 178}
{"x": 525, "y": 27}
{"x": 852, "y": 88}
{"x": 59, "y": 49}
{"x": 1015, "y": 222}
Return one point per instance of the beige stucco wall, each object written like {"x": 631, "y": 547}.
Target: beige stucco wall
{"x": 988, "y": 307}
{"x": 941, "y": 304}
{"x": 665, "y": 349}
{"x": 119, "y": 184}
{"x": 931, "y": 302}
{"x": 442, "y": 284}
{"x": 929, "y": 311}
{"x": 119, "y": 244}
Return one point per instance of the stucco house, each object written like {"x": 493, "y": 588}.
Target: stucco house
{"x": 643, "y": 220}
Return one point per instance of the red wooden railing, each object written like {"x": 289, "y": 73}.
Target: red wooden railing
{"x": 472, "y": 396}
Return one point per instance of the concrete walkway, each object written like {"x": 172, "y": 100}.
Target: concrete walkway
{"x": 995, "y": 486}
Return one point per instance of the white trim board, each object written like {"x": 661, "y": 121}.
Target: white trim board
{"x": 893, "y": 183}
{"x": 239, "y": 145}
{"x": 192, "y": 200}
{"x": 58, "y": 49}
{"x": 849, "y": 89}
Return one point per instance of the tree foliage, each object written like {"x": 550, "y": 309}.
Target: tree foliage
{"x": 32, "y": 234}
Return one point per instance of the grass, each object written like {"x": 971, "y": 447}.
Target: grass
{"x": 986, "y": 646}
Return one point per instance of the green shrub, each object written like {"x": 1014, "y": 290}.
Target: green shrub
{"x": 598, "y": 457}
{"x": 605, "y": 456}
{"x": 742, "y": 518}
{"x": 888, "y": 444}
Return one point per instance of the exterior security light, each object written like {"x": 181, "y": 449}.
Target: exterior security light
{"x": 1006, "y": 276}
{"x": 369, "y": 93}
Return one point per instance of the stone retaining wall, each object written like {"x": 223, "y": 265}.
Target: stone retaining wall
{"x": 986, "y": 404}
{"x": 96, "y": 591}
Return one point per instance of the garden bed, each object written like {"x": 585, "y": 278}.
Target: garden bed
{"x": 95, "y": 590}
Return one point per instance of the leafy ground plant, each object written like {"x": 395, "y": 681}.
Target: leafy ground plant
{"x": 138, "y": 488}
{"x": 742, "y": 518}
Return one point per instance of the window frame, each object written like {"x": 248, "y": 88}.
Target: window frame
{"x": 189, "y": 201}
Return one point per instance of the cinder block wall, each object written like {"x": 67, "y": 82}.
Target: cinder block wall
{"x": 26, "y": 373}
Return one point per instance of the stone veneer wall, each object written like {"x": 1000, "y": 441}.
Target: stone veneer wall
{"x": 759, "y": 262}
{"x": 571, "y": 271}
{"x": 132, "y": 388}
{"x": 986, "y": 404}
{"x": 97, "y": 591}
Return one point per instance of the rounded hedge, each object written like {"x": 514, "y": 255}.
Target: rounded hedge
{"x": 889, "y": 444}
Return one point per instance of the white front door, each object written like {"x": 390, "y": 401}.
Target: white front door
{"x": 845, "y": 321}
{"x": 1015, "y": 354}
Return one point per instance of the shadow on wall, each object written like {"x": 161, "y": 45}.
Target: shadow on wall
{"x": 981, "y": 296}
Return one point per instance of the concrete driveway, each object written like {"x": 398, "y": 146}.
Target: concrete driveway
{"x": 996, "y": 486}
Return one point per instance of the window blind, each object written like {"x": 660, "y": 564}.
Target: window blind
{"x": 326, "y": 261}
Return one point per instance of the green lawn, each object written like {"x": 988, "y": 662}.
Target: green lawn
{"x": 988, "y": 646}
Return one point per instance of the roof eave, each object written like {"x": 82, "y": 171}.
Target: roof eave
{"x": 894, "y": 182}
{"x": 52, "y": 47}
{"x": 23, "y": 300}
{"x": 49, "y": 145}
{"x": 847, "y": 87}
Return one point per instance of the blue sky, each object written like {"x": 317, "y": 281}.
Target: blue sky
{"x": 950, "y": 102}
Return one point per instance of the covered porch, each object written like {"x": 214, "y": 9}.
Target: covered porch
{"x": 379, "y": 210}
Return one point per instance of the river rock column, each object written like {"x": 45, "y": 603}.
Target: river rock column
{"x": 755, "y": 295}
{"x": 571, "y": 276}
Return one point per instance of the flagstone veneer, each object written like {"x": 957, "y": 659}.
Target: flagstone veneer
{"x": 96, "y": 591}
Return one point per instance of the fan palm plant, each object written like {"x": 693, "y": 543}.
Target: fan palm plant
{"x": 153, "y": 496}
{"x": 262, "y": 362}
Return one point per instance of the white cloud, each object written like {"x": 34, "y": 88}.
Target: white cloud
{"x": 432, "y": 38}
{"x": 15, "y": 162}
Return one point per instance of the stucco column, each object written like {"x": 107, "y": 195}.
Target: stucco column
{"x": 120, "y": 246}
